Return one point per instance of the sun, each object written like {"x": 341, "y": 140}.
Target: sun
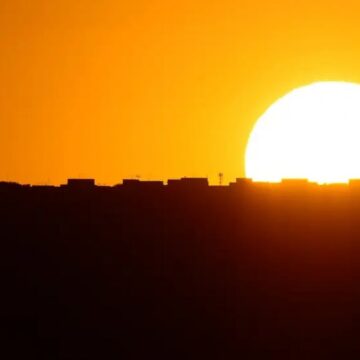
{"x": 313, "y": 132}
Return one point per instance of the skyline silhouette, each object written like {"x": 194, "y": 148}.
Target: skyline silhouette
{"x": 183, "y": 270}
{"x": 199, "y": 181}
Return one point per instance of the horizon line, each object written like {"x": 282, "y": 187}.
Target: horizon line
{"x": 204, "y": 181}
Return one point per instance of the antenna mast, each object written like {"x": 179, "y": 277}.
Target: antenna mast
{"x": 221, "y": 177}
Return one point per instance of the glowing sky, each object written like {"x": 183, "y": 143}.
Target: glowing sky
{"x": 113, "y": 89}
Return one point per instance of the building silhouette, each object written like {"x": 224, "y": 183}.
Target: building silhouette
{"x": 178, "y": 271}
{"x": 188, "y": 183}
{"x": 80, "y": 184}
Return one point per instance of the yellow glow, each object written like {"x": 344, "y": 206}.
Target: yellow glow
{"x": 313, "y": 132}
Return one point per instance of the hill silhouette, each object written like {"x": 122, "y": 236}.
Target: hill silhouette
{"x": 182, "y": 271}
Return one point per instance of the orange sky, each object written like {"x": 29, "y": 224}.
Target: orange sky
{"x": 112, "y": 89}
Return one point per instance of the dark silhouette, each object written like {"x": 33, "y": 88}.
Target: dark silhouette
{"x": 80, "y": 183}
{"x": 180, "y": 271}
{"x": 197, "y": 183}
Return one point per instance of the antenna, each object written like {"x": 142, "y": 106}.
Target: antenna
{"x": 221, "y": 178}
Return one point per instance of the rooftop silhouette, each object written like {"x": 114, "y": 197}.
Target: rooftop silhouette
{"x": 181, "y": 269}
{"x": 185, "y": 182}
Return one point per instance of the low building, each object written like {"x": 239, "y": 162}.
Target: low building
{"x": 137, "y": 184}
{"x": 80, "y": 183}
{"x": 188, "y": 183}
{"x": 241, "y": 182}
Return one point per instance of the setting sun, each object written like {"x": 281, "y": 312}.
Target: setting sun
{"x": 312, "y": 132}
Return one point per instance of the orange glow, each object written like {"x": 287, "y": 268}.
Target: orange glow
{"x": 112, "y": 89}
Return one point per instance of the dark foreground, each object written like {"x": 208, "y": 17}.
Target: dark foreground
{"x": 188, "y": 273}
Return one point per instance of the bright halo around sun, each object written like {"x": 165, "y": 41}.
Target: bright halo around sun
{"x": 313, "y": 132}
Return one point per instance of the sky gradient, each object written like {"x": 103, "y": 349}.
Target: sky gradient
{"x": 158, "y": 89}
